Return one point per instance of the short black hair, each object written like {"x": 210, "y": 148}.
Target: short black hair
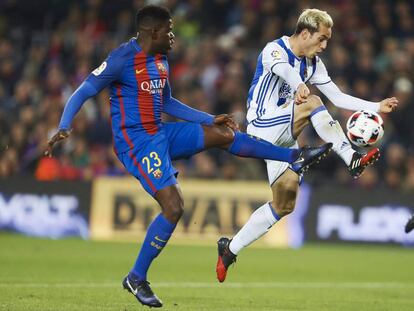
{"x": 148, "y": 15}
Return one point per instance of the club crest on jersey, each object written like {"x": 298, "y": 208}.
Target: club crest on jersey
{"x": 99, "y": 70}
{"x": 284, "y": 90}
{"x": 157, "y": 173}
{"x": 161, "y": 67}
{"x": 154, "y": 86}
{"x": 275, "y": 54}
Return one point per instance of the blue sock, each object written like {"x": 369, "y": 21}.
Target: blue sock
{"x": 158, "y": 234}
{"x": 252, "y": 147}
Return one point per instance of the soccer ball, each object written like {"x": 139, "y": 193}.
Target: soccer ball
{"x": 365, "y": 128}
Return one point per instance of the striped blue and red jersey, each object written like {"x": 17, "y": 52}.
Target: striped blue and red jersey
{"x": 140, "y": 91}
{"x": 138, "y": 86}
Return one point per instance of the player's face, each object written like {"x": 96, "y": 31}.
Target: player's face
{"x": 317, "y": 42}
{"x": 165, "y": 38}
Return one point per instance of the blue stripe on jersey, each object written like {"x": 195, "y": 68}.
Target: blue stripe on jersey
{"x": 262, "y": 84}
{"x": 270, "y": 124}
{"x": 281, "y": 101}
{"x": 313, "y": 67}
{"x": 302, "y": 68}
{"x": 274, "y": 86}
{"x": 257, "y": 74}
{"x": 272, "y": 119}
{"x": 290, "y": 54}
{"x": 263, "y": 95}
{"x": 275, "y": 120}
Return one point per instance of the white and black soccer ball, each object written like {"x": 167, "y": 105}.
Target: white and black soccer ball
{"x": 365, "y": 128}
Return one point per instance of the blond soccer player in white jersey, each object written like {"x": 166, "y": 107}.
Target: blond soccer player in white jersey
{"x": 280, "y": 107}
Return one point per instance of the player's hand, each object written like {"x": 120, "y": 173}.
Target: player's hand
{"x": 225, "y": 119}
{"x": 302, "y": 94}
{"x": 388, "y": 105}
{"x": 60, "y": 135}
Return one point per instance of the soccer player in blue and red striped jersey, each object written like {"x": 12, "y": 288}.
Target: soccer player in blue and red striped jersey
{"x": 137, "y": 73}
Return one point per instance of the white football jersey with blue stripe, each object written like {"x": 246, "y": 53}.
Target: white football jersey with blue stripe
{"x": 269, "y": 93}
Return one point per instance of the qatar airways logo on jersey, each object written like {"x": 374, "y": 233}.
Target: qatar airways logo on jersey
{"x": 154, "y": 86}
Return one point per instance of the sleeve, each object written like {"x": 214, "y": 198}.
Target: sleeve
{"x": 177, "y": 109}
{"x": 345, "y": 101}
{"x": 275, "y": 60}
{"x": 108, "y": 72}
{"x": 100, "y": 78}
{"x": 75, "y": 102}
{"x": 320, "y": 76}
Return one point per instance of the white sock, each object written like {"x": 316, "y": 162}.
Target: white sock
{"x": 331, "y": 132}
{"x": 258, "y": 224}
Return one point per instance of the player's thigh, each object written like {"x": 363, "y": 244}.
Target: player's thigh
{"x": 185, "y": 139}
{"x": 151, "y": 165}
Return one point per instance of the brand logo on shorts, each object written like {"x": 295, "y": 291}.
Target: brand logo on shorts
{"x": 157, "y": 173}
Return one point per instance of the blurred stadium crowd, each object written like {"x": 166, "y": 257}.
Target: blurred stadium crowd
{"x": 48, "y": 47}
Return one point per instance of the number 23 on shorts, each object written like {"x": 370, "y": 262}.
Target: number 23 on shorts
{"x": 152, "y": 161}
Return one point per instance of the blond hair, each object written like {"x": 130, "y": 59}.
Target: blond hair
{"x": 310, "y": 19}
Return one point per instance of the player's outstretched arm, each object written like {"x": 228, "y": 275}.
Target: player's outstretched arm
{"x": 345, "y": 101}
{"x": 75, "y": 102}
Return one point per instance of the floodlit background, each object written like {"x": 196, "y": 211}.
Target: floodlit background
{"x": 47, "y": 48}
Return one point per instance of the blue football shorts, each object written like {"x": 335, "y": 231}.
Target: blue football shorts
{"x": 151, "y": 162}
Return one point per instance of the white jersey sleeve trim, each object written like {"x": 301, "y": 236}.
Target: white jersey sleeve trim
{"x": 345, "y": 101}
{"x": 320, "y": 75}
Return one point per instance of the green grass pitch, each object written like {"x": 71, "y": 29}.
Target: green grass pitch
{"x": 41, "y": 275}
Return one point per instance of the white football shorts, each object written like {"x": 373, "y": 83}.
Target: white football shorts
{"x": 276, "y": 128}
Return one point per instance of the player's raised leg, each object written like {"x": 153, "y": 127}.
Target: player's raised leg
{"x": 244, "y": 145}
{"x": 313, "y": 111}
{"x": 284, "y": 191}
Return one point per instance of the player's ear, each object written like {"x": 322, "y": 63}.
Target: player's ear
{"x": 305, "y": 33}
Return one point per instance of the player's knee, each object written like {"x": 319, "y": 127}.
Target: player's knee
{"x": 227, "y": 135}
{"x": 218, "y": 136}
{"x": 314, "y": 102}
{"x": 284, "y": 208}
{"x": 284, "y": 202}
{"x": 174, "y": 209}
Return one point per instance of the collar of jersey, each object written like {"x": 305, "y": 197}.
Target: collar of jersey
{"x": 135, "y": 44}
{"x": 288, "y": 49}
